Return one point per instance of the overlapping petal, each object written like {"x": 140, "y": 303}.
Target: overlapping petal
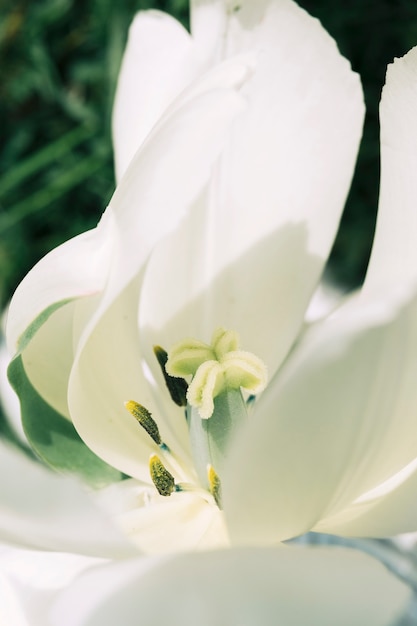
{"x": 184, "y": 521}
{"x": 152, "y": 198}
{"x": 334, "y": 439}
{"x": 338, "y": 421}
{"x": 394, "y": 254}
{"x": 275, "y": 197}
{"x": 160, "y": 60}
{"x": 255, "y": 587}
{"x": 45, "y": 511}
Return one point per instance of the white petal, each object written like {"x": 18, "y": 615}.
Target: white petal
{"x": 41, "y": 312}
{"x": 160, "y": 525}
{"x": 48, "y": 357}
{"x": 158, "y": 63}
{"x": 40, "y": 509}
{"x": 387, "y": 510}
{"x": 252, "y": 249}
{"x": 9, "y": 401}
{"x": 109, "y": 372}
{"x": 75, "y": 269}
{"x": 29, "y": 580}
{"x": 208, "y": 23}
{"x": 339, "y": 422}
{"x": 394, "y": 255}
{"x": 256, "y": 587}
{"x": 151, "y": 199}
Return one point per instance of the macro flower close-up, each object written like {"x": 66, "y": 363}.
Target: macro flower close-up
{"x": 166, "y": 358}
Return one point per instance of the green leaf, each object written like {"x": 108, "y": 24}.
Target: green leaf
{"x": 53, "y": 437}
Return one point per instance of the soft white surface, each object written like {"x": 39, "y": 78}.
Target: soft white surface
{"x": 255, "y": 587}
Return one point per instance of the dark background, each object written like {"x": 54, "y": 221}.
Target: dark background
{"x": 58, "y": 66}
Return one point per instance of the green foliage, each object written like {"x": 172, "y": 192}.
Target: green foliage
{"x": 59, "y": 61}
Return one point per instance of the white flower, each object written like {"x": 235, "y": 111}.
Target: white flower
{"x": 234, "y": 150}
{"x": 80, "y": 571}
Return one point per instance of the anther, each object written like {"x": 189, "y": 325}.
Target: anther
{"x": 215, "y": 486}
{"x": 161, "y": 478}
{"x": 145, "y": 419}
{"x": 177, "y": 387}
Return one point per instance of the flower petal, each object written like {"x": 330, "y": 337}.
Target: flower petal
{"x": 9, "y": 403}
{"x": 394, "y": 254}
{"x": 255, "y": 587}
{"x": 76, "y": 268}
{"x": 160, "y": 525}
{"x": 151, "y": 199}
{"x": 40, "y": 319}
{"x": 43, "y": 510}
{"x": 29, "y": 580}
{"x": 54, "y": 438}
{"x": 251, "y": 252}
{"x": 338, "y": 422}
{"x": 387, "y": 511}
{"x": 108, "y": 372}
{"x": 158, "y": 63}
{"x": 162, "y": 180}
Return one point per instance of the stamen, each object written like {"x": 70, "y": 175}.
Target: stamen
{"x": 145, "y": 419}
{"x": 177, "y": 387}
{"x": 215, "y": 486}
{"x": 161, "y": 478}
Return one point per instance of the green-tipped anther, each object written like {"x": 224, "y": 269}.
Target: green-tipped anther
{"x": 145, "y": 419}
{"x": 177, "y": 387}
{"x": 215, "y": 486}
{"x": 215, "y": 368}
{"x": 161, "y": 478}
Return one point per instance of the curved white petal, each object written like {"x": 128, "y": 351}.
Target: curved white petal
{"x": 30, "y": 579}
{"x": 152, "y": 198}
{"x": 250, "y": 252}
{"x": 256, "y": 587}
{"x": 49, "y": 356}
{"x": 208, "y": 22}
{"x": 9, "y": 401}
{"x": 183, "y": 521}
{"x": 394, "y": 254}
{"x": 159, "y": 61}
{"x": 41, "y": 312}
{"x": 337, "y": 423}
{"x": 75, "y": 269}
{"x": 166, "y": 175}
{"x": 107, "y": 373}
{"x": 387, "y": 510}
{"x": 40, "y": 509}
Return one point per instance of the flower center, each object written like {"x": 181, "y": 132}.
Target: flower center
{"x": 215, "y": 368}
{"x": 214, "y": 405}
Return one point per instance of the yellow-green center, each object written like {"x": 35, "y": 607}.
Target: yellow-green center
{"x": 215, "y": 407}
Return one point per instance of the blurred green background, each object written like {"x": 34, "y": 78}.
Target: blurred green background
{"x": 58, "y": 66}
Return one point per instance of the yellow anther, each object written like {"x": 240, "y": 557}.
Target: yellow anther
{"x": 214, "y": 485}
{"x": 145, "y": 419}
{"x": 161, "y": 478}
